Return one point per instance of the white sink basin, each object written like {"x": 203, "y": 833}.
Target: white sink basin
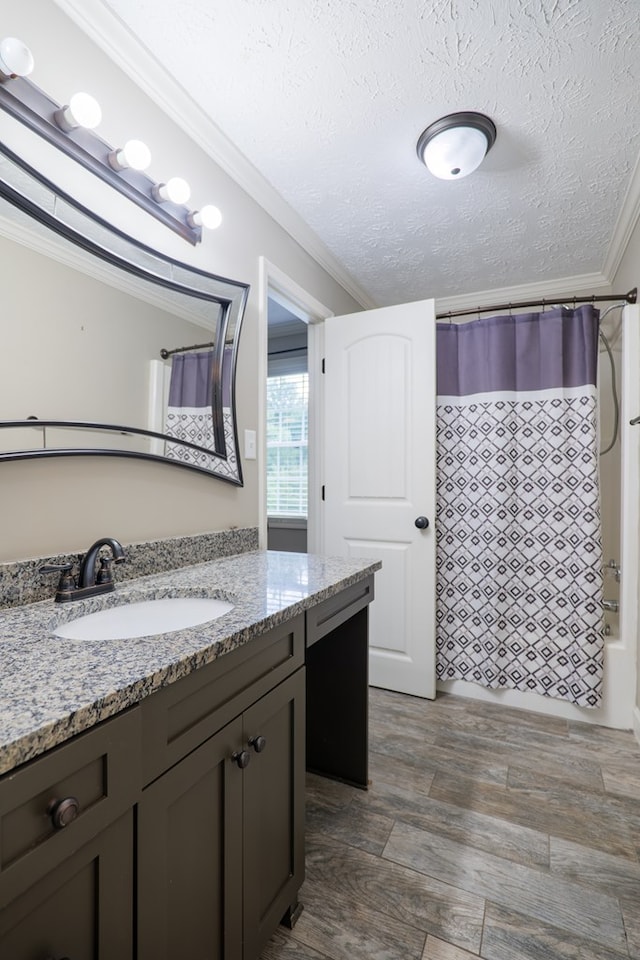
{"x": 144, "y": 619}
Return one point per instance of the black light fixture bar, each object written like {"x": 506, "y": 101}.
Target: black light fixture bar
{"x": 27, "y": 103}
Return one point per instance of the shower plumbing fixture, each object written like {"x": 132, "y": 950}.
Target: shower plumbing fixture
{"x": 615, "y": 568}
{"x": 612, "y": 606}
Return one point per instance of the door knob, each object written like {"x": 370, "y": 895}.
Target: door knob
{"x": 421, "y": 523}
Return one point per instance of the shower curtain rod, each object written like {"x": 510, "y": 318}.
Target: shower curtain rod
{"x": 194, "y": 346}
{"x": 630, "y": 297}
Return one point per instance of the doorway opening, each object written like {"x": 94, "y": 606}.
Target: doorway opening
{"x": 287, "y": 436}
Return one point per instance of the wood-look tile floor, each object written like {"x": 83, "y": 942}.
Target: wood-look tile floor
{"x": 486, "y": 832}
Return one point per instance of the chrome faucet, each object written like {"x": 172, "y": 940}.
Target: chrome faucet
{"x": 90, "y": 582}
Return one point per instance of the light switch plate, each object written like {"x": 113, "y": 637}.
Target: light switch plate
{"x": 250, "y": 445}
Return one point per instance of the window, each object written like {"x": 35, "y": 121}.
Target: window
{"x": 287, "y": 440}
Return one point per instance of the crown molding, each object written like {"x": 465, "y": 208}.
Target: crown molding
{"x": 21, "y": 229}
{"x": 625, "y": 224}
{"x": 580, "y": 285}
{"x": 109, "y": 33}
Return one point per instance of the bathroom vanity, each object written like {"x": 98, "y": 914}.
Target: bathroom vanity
{"x": 152, "y": 789}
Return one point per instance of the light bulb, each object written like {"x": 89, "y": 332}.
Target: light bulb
{"x": 135, "y": 155}
{"x": 208, "y": 216}
{"x": 82, "y": 111}
{"x": 177, "y": 190}
{"x": 16, "y": 60}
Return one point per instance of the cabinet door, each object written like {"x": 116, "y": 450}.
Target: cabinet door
{"x": 273, "y": 809}
{"x": 81, "y": 910}
{"x": 190, "y": 856}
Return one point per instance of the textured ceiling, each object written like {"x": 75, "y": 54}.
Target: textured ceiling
{"x": 328, "y": 97}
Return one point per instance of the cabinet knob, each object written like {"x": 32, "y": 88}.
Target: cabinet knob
{"x": 63, "y": 812}
{"x": 258, "y": 744}
{"x": 421, "y": 523}
{"x": 242, "y": 758}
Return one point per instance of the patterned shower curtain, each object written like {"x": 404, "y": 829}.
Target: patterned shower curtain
{"x": 189, "y": 410}
{"x": 519, "y": 556}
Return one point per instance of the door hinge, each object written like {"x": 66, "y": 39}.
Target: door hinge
{"x": 323, "y": 364}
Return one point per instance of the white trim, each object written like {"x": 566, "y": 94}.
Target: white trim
{"x": 517, "y": 396}
{"x": 112, "y": 36}
{"x": 582, "y": 284}
{"x": 626, "y": 680}
{"x": 625, "y": 224}
{"x": 275, "y": 284}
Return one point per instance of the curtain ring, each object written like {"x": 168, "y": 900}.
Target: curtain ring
{"x": 450, "y": 318}
{"x": 510, "y": 309}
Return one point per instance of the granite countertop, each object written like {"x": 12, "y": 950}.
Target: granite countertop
{"x": 51, "y": 689}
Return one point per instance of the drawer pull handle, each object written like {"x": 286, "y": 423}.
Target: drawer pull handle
{"x": 258, "y": 744}
{"x": 63, "y": 812}
{"x": 242, "y": 758}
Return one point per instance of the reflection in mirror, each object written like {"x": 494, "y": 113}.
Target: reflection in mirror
{"x": 109, "y": 348}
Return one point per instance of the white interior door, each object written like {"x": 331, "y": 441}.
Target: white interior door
{"x": 379, "y": 469}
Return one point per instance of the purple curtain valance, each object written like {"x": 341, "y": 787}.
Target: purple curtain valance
{"x": 531, "y": 351}
{"x": 191, "y": 380}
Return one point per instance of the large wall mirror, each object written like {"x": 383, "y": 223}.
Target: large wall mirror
{"x": 109, "y": 348}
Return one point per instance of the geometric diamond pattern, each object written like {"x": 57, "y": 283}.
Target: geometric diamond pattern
{"x": 519, "y": 552}
{"x": 196, "y": 426}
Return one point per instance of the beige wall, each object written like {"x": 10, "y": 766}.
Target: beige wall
{"x": 62, "y": 505}
{"x": 627, "y": 277}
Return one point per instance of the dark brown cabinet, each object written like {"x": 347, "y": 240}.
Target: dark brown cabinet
{"x": 190, "y": 856}
{"x": 220, "y": 843}
{"x": 220, "y": 820}
{"x": 82, "y": 909}
{"x": 273, "y": 810}
{"x": 67, "y": 890}
{"x": 185, "y": 833}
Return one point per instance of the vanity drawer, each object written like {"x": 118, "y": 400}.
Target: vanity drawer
{"x": 179, "y": 718}
{"x": 98, "y": 769}
{"x": 331, "y": 613}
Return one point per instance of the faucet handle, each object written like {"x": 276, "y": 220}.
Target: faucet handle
{"x": 66, "y": 583}
{"x": 104, "y": 573}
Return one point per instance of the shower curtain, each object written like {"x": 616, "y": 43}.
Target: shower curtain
{"x": 189, "y": 410}
{"x": 519, "y": 555}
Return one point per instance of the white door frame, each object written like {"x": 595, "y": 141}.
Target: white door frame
{"x": 274, "y": 283}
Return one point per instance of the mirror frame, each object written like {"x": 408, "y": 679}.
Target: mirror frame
{"x": 35, "y": 195}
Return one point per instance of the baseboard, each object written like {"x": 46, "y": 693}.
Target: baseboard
{"x": 636, "y": 722}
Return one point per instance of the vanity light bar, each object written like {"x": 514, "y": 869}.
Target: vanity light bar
{"x": 70, "y": 128}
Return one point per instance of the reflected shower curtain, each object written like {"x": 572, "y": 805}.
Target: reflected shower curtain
{"x": 189, "y": 415}
{"x": 189, "y": 408}
{"x": 519, "y": 557}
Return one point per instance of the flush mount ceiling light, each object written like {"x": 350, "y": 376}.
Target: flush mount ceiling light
{"x": 456, "y": 145}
